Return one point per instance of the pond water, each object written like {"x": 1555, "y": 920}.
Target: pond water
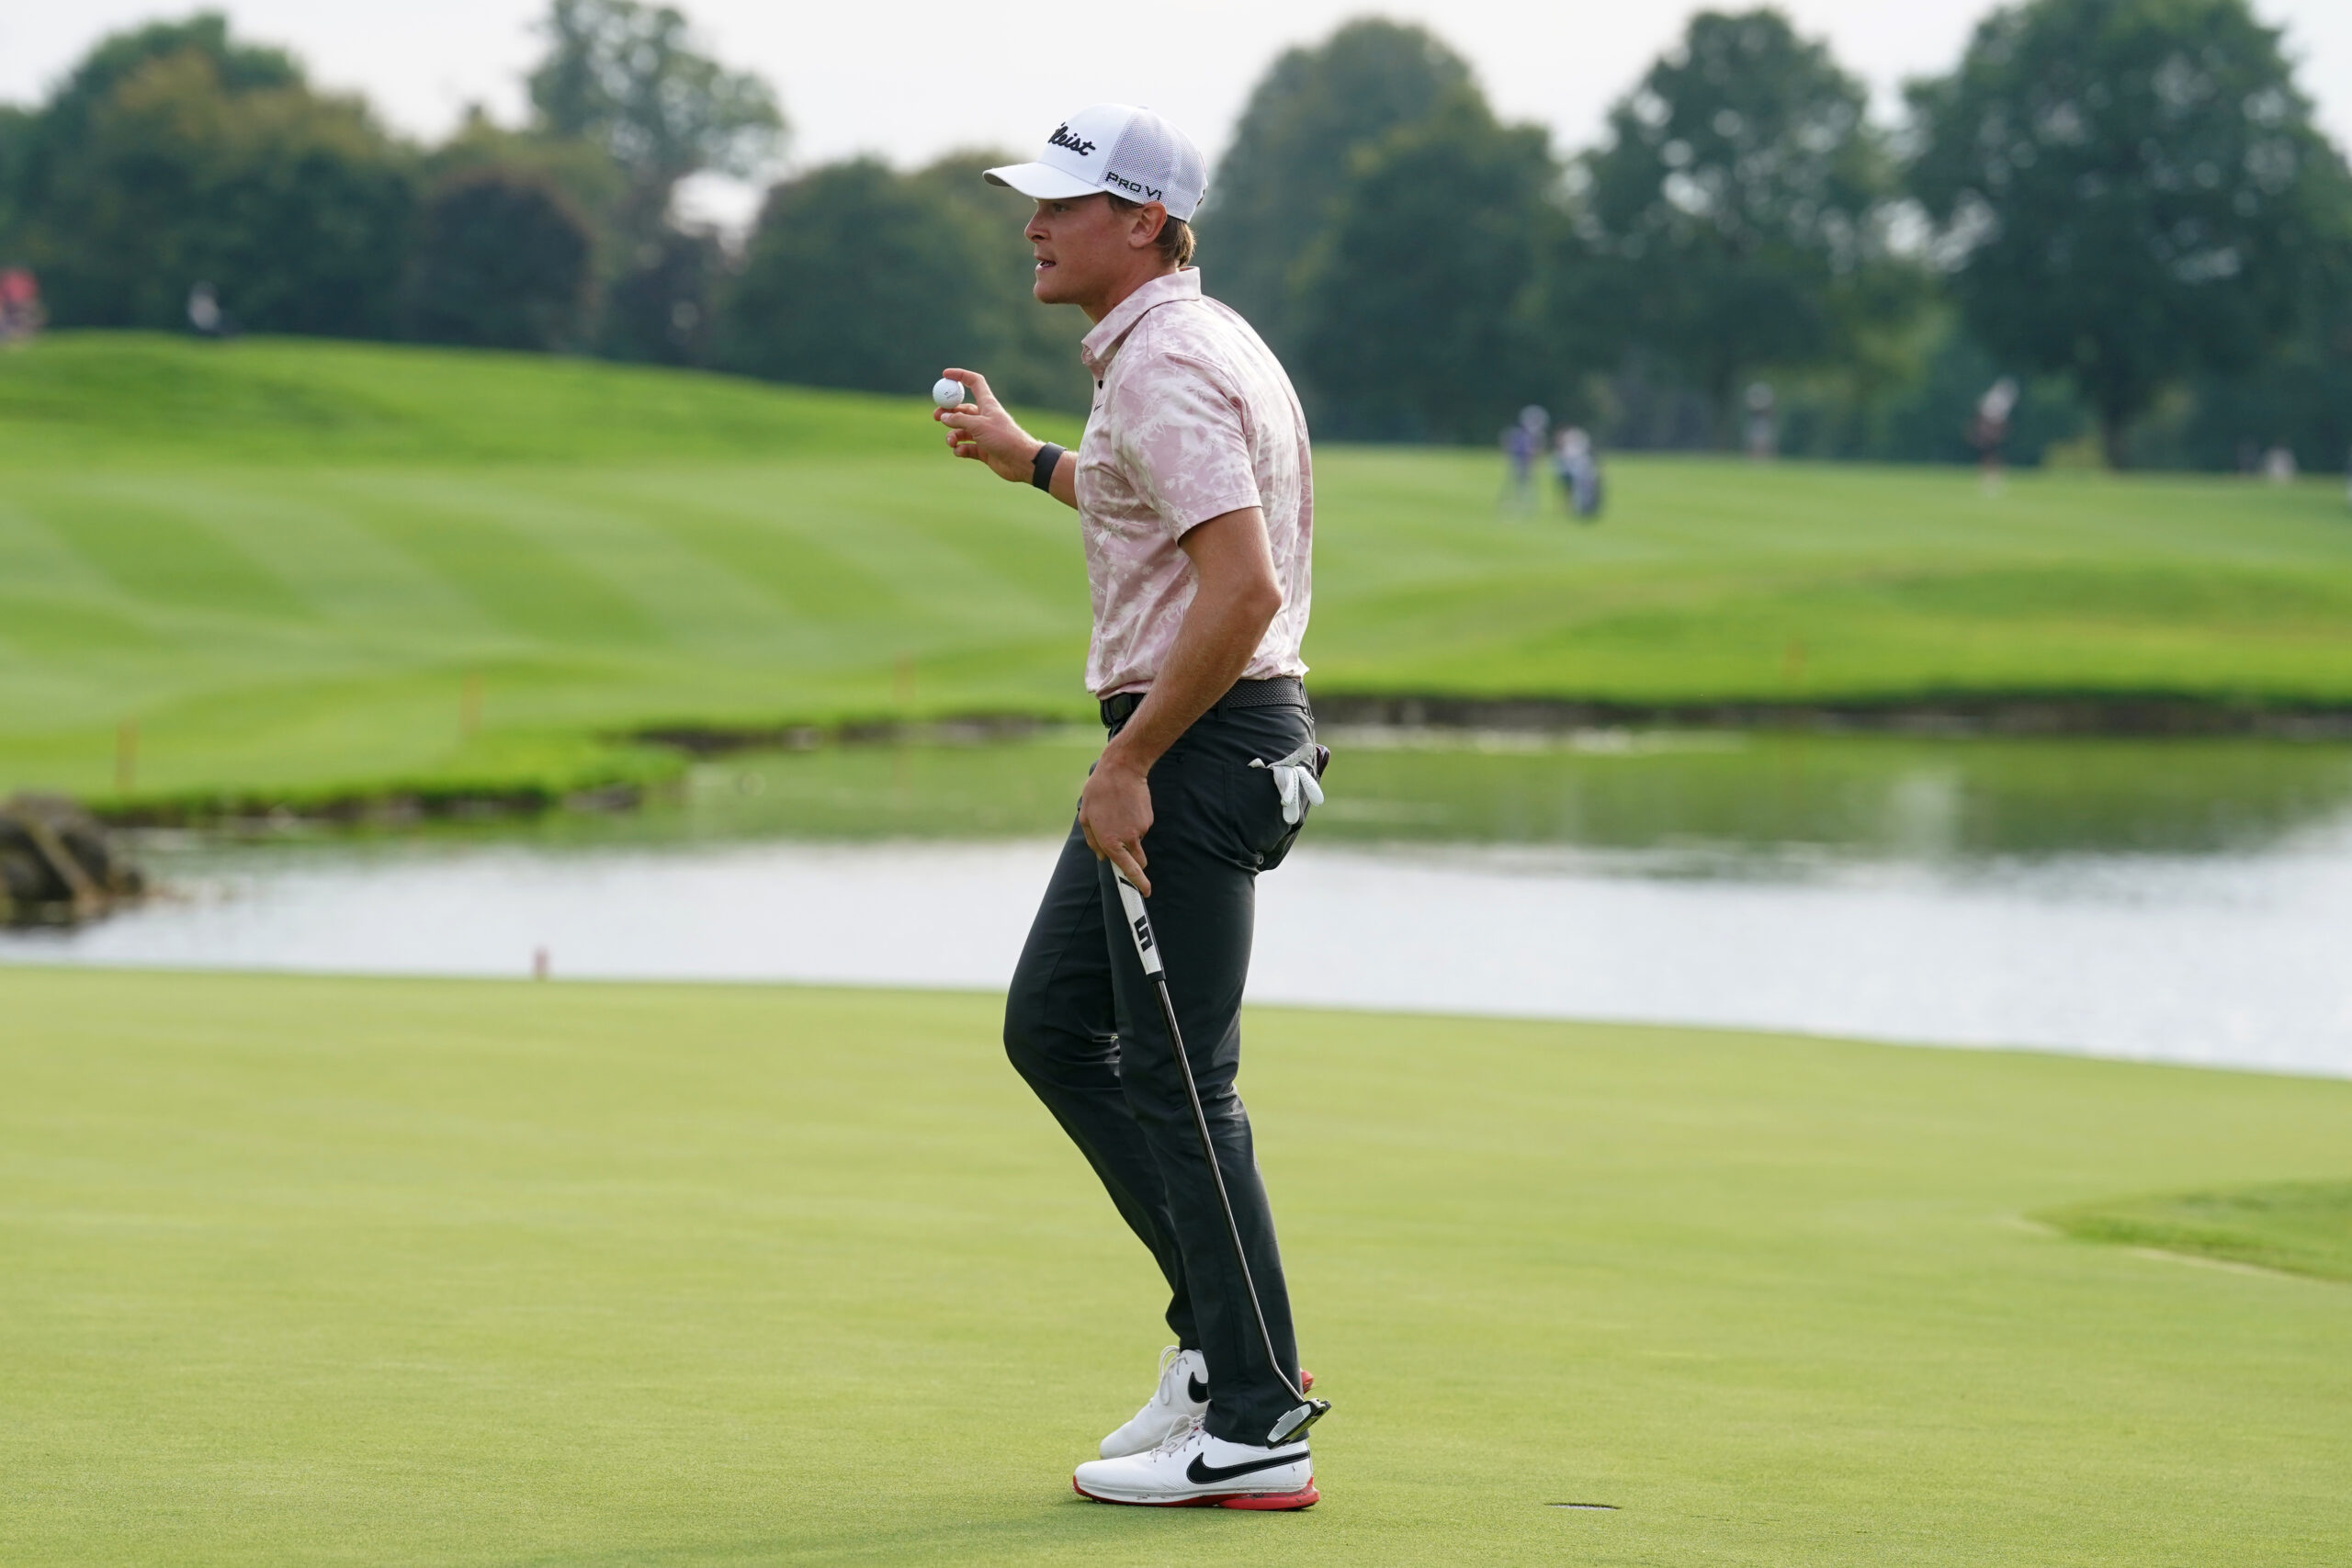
{"x": 2185, "y": 900}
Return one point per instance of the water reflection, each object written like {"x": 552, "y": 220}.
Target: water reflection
{"x": 1873, "y": 797}
{"x": 1734, "y": 797}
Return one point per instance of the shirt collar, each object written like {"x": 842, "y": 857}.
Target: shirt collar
{"x": 1097, "y": 347}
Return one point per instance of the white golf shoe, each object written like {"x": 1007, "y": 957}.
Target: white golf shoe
{"x": 1190, "y": 1469}
{"x": 1182, "y": 1395}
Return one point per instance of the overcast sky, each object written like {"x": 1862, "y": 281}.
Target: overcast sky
{"x": 910, "y": 81}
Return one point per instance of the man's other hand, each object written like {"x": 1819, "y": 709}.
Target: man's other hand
{"x": 1114, "y": 810}
{"x": 980, "y": 429}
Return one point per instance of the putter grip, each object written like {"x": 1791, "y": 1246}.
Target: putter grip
{"x": 1140, "y": 923}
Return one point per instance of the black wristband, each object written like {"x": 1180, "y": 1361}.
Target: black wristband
{"x": 1041, "y": 470}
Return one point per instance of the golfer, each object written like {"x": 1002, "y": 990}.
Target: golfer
{"x": 1194, "y": 497}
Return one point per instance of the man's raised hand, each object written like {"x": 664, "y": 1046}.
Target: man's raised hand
{"x": 981, "y": 429}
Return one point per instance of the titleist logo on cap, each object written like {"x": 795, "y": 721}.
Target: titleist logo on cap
{"x": 1062, "y": 138}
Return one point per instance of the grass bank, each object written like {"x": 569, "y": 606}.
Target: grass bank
{"x": 309, "y": 1272}
{"x": 2301, "y": 1227}
{"x": 291, "y": 570}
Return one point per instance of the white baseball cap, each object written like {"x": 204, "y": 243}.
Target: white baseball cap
{"x": 1117, "y": 148}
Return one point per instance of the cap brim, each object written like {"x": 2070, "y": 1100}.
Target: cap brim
{"x": 1040, "y": 182}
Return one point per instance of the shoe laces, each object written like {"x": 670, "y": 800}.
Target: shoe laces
{"x": 1166, "y": 1393}
{"x": 1179, "y": 1435}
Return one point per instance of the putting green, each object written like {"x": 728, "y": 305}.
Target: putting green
{"x": 306, "y": 568}
{"x": 338, "y": 1272}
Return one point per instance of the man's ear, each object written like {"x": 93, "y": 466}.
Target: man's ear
{"x": 1150, "y": 220}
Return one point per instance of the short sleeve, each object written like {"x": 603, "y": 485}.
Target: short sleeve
{"x": 1184, "y": 444}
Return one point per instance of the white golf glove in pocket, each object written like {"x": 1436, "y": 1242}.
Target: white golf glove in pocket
{"x": 1294, "y": 780}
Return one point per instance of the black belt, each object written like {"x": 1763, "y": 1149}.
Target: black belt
{"x": 1277, "y": 691}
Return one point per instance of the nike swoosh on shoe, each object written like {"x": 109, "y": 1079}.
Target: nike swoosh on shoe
{"x": 1200, "y": 1473}
{"x": 1197, "y": 1389}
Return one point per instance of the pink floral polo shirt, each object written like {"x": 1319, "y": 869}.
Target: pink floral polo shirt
{"x": 1193, "y": 418}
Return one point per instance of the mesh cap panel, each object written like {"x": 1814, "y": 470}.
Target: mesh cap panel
{"x": 1153, "y": 161}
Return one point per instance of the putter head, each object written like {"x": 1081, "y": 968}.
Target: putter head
{"x": 1294, "y": 1423}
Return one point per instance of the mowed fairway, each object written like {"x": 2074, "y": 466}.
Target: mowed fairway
{"x": 326, "y": 1272}
{"x": 286, "y": 563}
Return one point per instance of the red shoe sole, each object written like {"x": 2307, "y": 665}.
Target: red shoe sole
{"x": 1305, "y": 1497}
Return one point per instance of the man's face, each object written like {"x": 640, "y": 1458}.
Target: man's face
{"x": 1086, "y": 247}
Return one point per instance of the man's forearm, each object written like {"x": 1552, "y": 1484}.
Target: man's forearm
{"x": 1221, "y": 630}
{"x": 1063, "y": 484}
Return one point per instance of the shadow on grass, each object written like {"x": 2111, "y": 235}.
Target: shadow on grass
{"x": 2296, "y": 1227}
{"x": 945, "y": 1532}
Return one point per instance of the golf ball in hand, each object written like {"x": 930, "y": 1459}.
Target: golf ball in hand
{"x": 948, "y": 393}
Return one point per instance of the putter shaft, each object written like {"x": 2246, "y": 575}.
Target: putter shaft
{"x": 1310, "y": 1411}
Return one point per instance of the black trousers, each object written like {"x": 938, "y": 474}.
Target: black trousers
{"x": 1083, "y": 1025}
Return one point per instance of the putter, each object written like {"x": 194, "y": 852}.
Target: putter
{"x": 1295, "y": 1422}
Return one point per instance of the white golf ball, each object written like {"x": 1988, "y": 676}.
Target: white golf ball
{"x": 947, "y": 393}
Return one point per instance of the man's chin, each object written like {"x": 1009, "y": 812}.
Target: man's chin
{"x": 1051, "y": 288}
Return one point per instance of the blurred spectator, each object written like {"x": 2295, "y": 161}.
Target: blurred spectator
{"x": 1990, "y": 429}
{"x": 1763, "y": 433}
{"x": 20, "y": 312}
{"x": 2278, "y": 465}
{"x": 205, "y": 317}
{"x": 1518, "y": 452}
{"x": 1579, "y": 471}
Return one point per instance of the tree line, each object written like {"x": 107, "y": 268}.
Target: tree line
{"x": 175, "y": 155}
{"x": 2125, "y": 204}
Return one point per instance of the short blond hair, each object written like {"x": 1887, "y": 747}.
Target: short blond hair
{"x": 1175, "y": 238}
